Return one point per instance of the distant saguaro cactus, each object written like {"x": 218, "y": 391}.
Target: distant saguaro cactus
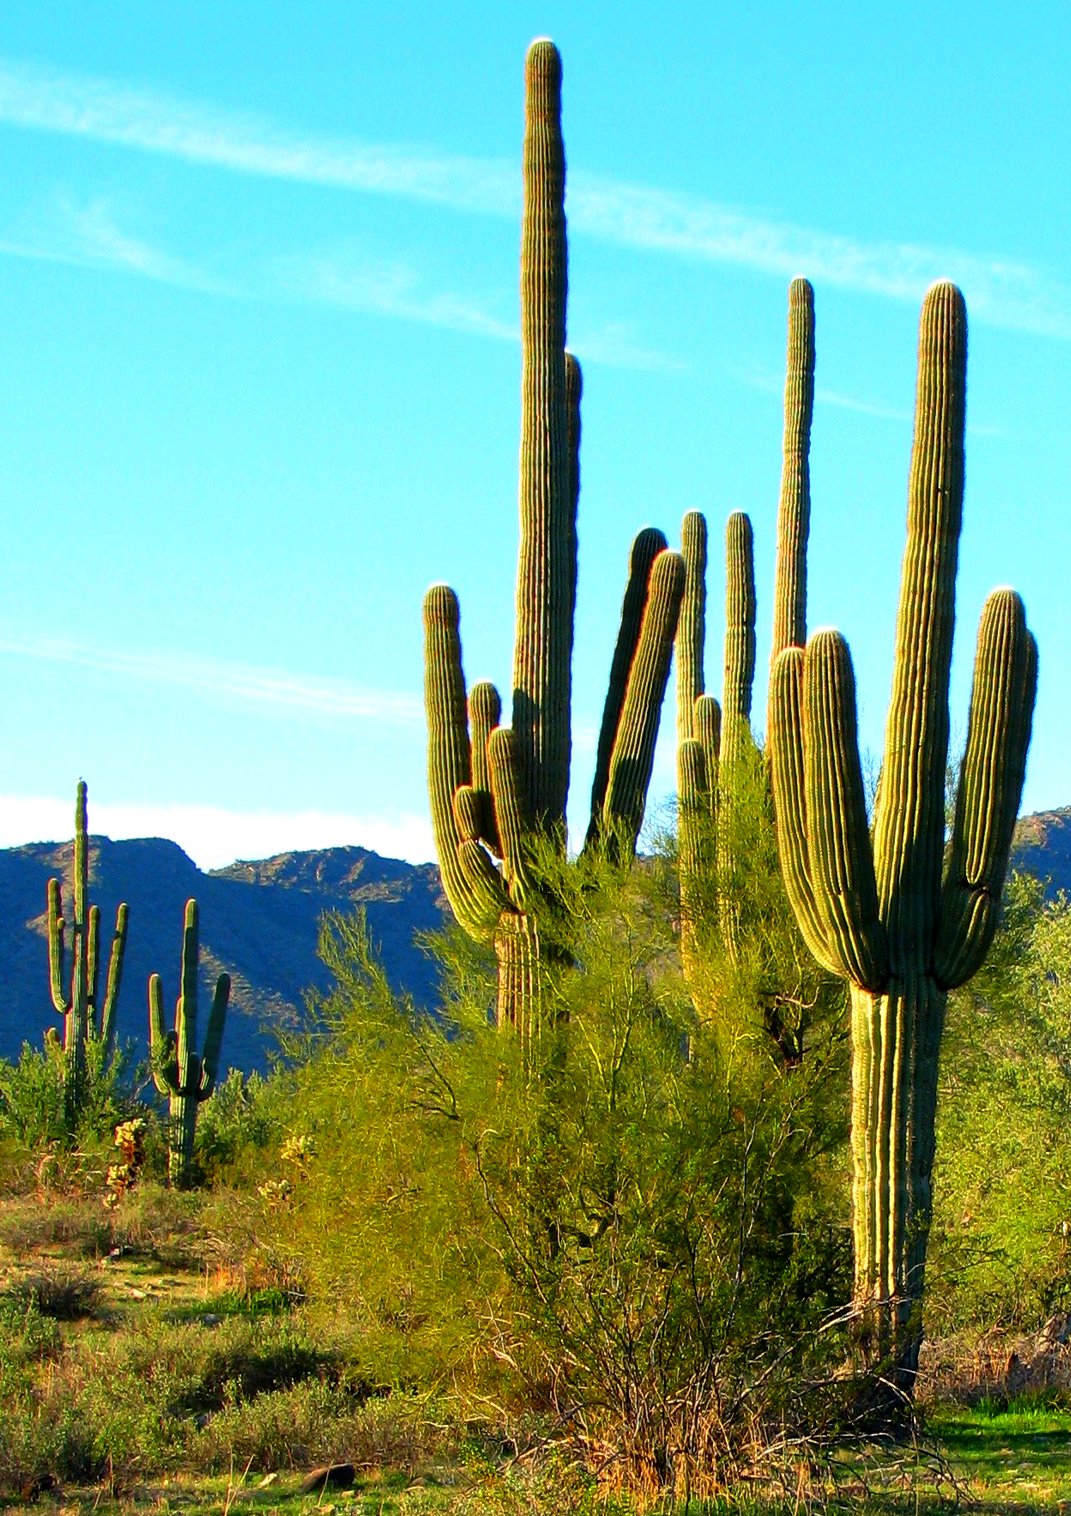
{"x": 499, "y": 792}
{"x": 179, "y": 1071}
{"x": 901, "y": 917}
{"x": 74, "y": 977}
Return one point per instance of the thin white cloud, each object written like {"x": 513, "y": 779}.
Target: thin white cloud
{"x": 154, "y": 122}
{"x": 272, "y": 687}
{"x": 360, "y": 283}
{"x": 1004, "y": 292}
{"x": 213, "y": 836}
{"x": 89, "y": 236}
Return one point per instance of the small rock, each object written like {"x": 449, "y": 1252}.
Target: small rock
{"x": 210, "y": 1319}
{"x": 333, "y": 1476}
{"x": 269, "y": 1479}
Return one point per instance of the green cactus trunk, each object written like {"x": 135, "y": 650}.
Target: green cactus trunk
{"x": 904, "y": 919}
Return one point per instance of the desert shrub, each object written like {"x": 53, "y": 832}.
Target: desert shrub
{"x": 1000, "y": 1254}
{"x": 630, "y": 1225}
{"x": 233, "y": 1127}
{"x": 59, "y": 1291}
{"x": 32, "y": 1114}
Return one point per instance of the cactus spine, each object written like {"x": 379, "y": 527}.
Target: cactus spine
{"x": 75, "y": 984}
{"x": 179, "y": 1071}
{"x": 499, "y": 792}
{"x": 903, "y": 923}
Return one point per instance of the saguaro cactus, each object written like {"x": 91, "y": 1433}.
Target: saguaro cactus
{"x": 74, "y": 979}
{"x": 499, "y": 792}
{"x": 179, "y": 1071}
{"x": 904, "y": 919}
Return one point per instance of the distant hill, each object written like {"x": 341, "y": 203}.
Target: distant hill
{"x": 259, "y": 921}
{"x": 1043, "y": 847}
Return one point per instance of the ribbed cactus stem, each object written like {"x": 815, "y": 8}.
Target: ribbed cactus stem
{"x": 634, "y": 746}
{"x": 909, "y": 818}
{"x": 185, "y": 1076}
{"x": 546, "y": 570}
{"x": 645, "y": 549}
{"x": 739, "y": 639}
{"x": 902, "y": 928}
{"x": 794, "y": 510}
{"x": 691, "y": 630}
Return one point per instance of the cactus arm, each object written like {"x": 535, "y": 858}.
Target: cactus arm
{"x": 841, "y": 861}
{"x": 106, "y": 1030}
{"x": 788, "y": 777}
{"x": 484, "y": 885}
{"x": 186, "y": 1009}
{"x": 510, "y": 815}
{"x": 161, "y": 1043}
{"x": 633, "y": 754}
{"x": 546, "y": 569}
{"x": 92, "y": 956}
{"x": 485, "y": 713}
{"x": 691, "y": 626}
{"x": 990, "y": 788}
{"x": 909, "y": 817}
{"x": 55, "y": 947}
{"x": 794, "y": 510}
{"x": 707, "y": 727}
{"x": 645, "y": 549}
{"x": 449, "y": 759}
{"x": 739, "y": 638}
{"x": 214, "y": 1036}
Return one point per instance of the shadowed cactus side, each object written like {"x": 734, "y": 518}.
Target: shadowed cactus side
{"x": 74, "y": 976}
{"x": 179, "y": 1071}
{"x": 900, "y": 916}
{"x": 498, "y": 793}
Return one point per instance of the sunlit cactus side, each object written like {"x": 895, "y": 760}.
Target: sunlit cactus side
{"x": 185, "y": 1076}
{"x": 498, "y": 794}
{"x": 794, "y": 509}
{"x": 74, "y": 972}
{"x": 900, "y": 916}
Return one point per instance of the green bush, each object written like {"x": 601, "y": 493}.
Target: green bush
{"x": 1001, "y": 1246}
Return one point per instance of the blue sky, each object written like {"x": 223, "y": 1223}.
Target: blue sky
{"x": 258, "y": 297}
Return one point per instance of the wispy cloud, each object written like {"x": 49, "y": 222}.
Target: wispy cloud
{"x": 273, "y": 687}
{"x": 1001, "y": 291}
{"x": 88, "y": 235}
{"x": 361, "y": 283}
{"x": 155, "y": 122}
{"x": 213, "y": 836}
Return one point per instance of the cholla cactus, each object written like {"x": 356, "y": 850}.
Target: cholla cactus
{"x": 74, "y": 977}
{"x": 899, "y": 915}
{"x": 498, "y": 793}
{"x": 179, "y": 1071}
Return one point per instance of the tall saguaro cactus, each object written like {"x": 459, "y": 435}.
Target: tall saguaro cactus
{"x": 179, "y": 1071}
{"x": 74, "y": 977}
{"x": 903, "y": 918}
{"x": 498, "y": 792}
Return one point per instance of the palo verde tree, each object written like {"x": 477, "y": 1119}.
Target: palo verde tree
{"x": 898, "y": 914}
{"x": 74, "y": 972}
{"x": 498, "y": 793}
